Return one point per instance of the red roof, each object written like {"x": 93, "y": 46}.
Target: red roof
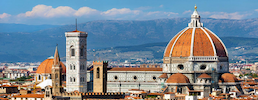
{"x": 204, "y": 76}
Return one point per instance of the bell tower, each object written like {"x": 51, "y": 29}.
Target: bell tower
{"x": 56, "y": 73}
{"x": 76, "y": 61}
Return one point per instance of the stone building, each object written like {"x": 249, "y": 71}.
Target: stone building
{"x": 196, "y": 61}
{"x": 76, "y": 61}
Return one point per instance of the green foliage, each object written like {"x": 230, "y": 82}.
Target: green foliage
{"x": 21, "y": 79}
{"x": 151, "y": 96}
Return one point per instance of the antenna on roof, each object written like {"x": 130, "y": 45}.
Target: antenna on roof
{"x": 75, "y": 24}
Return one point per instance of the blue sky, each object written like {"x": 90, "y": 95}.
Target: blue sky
{"x": 60, "y": 12}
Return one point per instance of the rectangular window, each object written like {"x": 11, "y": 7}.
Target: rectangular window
{"x": 72, "y": 52}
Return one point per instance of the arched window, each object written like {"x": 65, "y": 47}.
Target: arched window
{"x": 97, "y": 72}
{"x": 39, "y": 77}
{"x": 81, "y": 51}
{"x": 56, "y": 76}
{"x": 71, "y": 67}
{"x": 71, "y": 80}
{"x": 72, "y": 51}
{"x": 74, "y": 79}
{"x": 83, "y": 67}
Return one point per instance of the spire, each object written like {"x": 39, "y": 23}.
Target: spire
{"x": 56, "y": 57}
{"x": 195, "y": 19}
{"x": 76, "y": 24}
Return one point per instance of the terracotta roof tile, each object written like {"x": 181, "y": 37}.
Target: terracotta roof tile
{"x": 183, "y": 45}
{"x": 46, "y": 66}
{"x": 178, "y": 78}
{"x": 204, "y": 75}
{"x": 164, "y": 75}
{"x": 228, "y": 77}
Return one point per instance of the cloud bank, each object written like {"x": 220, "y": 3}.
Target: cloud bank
{"x": 44, "y": 14}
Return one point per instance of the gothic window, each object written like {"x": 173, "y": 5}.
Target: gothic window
{"x": 47, "y": 93}
{"x": 72, "y": 51}
{"x": 83, "y": 67}
{"x": 71, "y": 80}
{"x": 97, "y": 72}
{"x": 39, "y": 77}
{"x": 71, "y": 67}
{"x": 56, "y": 76}
{"x": 81, "y": 51}
{"x": 74, "y": 79}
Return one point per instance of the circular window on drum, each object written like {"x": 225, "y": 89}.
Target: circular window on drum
{"x": 135, "y": 77}
{"x": 203, "y": 67}
{"x": 154, "y": 77}
{"x": 115, "y": 77}
{"x": 180, "y": 67}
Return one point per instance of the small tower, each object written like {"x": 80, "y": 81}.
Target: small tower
{"x": 56, "y": 72}
{"x": 76, "y": 61}
{"x": 100, "y": 76}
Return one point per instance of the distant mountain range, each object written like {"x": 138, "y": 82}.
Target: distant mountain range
{"x": 37, "y": 42}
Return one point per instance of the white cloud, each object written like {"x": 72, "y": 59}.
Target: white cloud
{"x": 161, "y": 6}
{"x": 161, "y": 13}
{"x": 4, "y": 15}
{"x": 48, "y": 11}
{"x": 224, "y": 15}
{"x": 115, "y": 11}
{"x": 86, "y": 11}
{"x": 256, "y": 10}
{"x": 188, "y": 11}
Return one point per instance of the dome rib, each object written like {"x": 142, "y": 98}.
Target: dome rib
{"x": 219, "y": 45}
{"x": 202, "y": 44}
{"x": 192, "y": 42}
{"x": 171, "y": 43}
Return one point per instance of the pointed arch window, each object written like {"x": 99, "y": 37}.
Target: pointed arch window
{"x": 71, "y": 80}
{"x": 74, "y": 79}
{"x": 73, "y": 67}
{"x": 82, "y": 51}
{"x": 56, "y": 76}
{"x": 72, "y": 51}
{"x": 98, "y": 72}
{"x": 39, "y": 77}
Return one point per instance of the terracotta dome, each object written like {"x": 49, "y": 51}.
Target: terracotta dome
{"x": 164, "y": 75}
{"x": 178, "y": 78}
{"x": 195, "y": 40}
{"x": 46, "y": 66}
{"x": 227, "y": 77}
{"x": 204, "y": 75}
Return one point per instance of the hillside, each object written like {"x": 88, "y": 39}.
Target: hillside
{"x": 37, "y": 45}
